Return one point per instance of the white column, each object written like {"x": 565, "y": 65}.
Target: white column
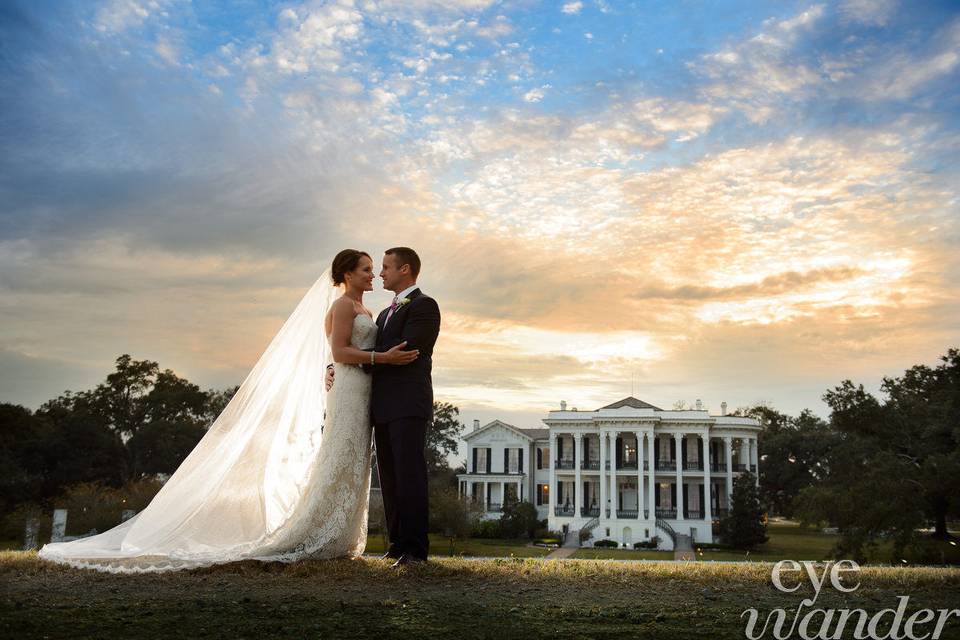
{"x": 552, "y": 489}
{"x": 728, "y": 447}
{"x": 484, "y": 496}
{"x": 639, "y": 436}
{"x": 613, "y": 474}
{"x": 577, "y": 484}
{"x": 519, "y": 491}
{"x": 678, "y": 438}
{"x": 756, "y": 459}
{"x": 651, "y": 478}
{"x": 503, "y": 494}
{"x": 707, "y": 512}
{"x": 603, "y": 478}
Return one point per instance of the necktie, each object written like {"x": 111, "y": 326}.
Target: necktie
{"x": 393, "y": 307}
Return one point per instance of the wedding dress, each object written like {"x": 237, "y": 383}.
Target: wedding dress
{"x": 282, "y": 474}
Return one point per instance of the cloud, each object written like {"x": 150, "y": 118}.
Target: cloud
{"x": 572, "y": 8}
{"x": 755, "y": 74}
{"x": 869, "y": 12}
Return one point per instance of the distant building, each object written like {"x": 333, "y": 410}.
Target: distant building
{"x": 626, "y": 472}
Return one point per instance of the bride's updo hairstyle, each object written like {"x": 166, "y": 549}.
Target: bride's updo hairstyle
{"x": 345, "y": 262}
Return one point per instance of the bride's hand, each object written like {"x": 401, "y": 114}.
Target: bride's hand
{"x": 396, "y": 355}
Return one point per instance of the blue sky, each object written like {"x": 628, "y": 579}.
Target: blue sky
{"x": 736, "y": 201}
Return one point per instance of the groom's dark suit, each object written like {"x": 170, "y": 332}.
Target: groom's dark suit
{"x": 401, "y": 408}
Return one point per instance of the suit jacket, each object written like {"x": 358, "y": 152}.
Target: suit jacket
{"x": 406, "y": 391}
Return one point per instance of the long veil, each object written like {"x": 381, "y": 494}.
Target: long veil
{"x": 232, "y": 495}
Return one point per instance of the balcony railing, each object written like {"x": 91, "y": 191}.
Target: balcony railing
{"x": 563, "y": 464}
{"x": 590, "y": 465}
{"x": 720, "y": 512}
{"x": 566, "y": 510}
{"x": 695, "y": 514}
{"x": 666, "y": 513}
{"x": 483, "y": 472}
{"x": 494, "y": 507}
{"x": 666, "y": 465}
{"x": 694, "y": 465}
{"x": 590, "y": 512}
{"x": 739, "y": 467}
{"x": 628, "y": 465}
{"x": 627, "y": 513}
{"x": 718, "y": 466}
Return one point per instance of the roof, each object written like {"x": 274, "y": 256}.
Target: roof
{"x": 632, "y": 402}
{"x": 499, "y": 423}
{"x": 537, "y": 434}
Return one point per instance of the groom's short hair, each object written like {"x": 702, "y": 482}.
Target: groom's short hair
{"x": 406, "y": 255}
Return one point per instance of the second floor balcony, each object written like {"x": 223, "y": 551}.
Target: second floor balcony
{"x": 590, "y": 512}
{"x": 566, "y": 510}
{"x": 564, "y": 464}
{"x": 666, "y": 513}
{"x": 666, "y": 465}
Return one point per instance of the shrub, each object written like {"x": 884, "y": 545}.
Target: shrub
{"x": 487, "y": 529}
{"x": 712, "y": 545}
{"x": 606, "y": 544}
{"x": 648, "y": 544}
{"x": 519, "y": 520}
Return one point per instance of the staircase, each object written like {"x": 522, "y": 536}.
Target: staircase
{"x": 590, "y": 526}
{"x": 682, "y": 544}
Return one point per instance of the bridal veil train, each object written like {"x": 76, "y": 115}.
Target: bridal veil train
{"x": 274, "y": 478}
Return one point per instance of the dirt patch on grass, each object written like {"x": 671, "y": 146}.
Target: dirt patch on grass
{"x": 450, "y": 597}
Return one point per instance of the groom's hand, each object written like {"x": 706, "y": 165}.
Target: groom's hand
{"x": 329, "y": 378}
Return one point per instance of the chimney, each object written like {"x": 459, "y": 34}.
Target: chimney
{"x": 476, "y": 425}
{"x": 723, "y": 408}
{"x": 563, "y": 405}
{"x": 699, "y": 405}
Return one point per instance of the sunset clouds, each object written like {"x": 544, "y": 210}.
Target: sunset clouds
{"x": 718, "y": 204}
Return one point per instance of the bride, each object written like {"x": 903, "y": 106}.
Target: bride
{"x": 283, "y": 473}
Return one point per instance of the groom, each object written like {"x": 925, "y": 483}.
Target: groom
{"x": 401, "y": 406}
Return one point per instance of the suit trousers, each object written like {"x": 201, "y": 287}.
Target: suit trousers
{"x": 402, "y": 466}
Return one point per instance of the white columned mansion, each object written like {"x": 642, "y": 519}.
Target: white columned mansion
{"x": 627, "y": 472}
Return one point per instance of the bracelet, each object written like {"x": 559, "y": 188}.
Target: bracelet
{"x": 372, "y": 357}
{"x": 330, "y": 366}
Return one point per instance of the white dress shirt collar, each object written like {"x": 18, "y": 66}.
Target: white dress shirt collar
{"x": 403, "y": 294}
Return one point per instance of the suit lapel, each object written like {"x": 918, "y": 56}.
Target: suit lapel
{"x": 402, "y": 310}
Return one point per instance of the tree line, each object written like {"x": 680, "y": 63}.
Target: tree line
{"x": 116, "y": 442}
{"x": 877, "y": 468}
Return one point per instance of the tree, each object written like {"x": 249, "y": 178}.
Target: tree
{"x": 743, "y": 527}
{"x": 442, "y": 434}
{"x": 519, "y": 519}
{"x": 451, "y": 515}
{"x": 795, "y": 454}
{"x": 160, "y": 446}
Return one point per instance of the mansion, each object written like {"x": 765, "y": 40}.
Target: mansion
{"x": 626, "y": 472}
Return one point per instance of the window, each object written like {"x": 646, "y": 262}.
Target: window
{"x": 513, "y": 461}
{"x": 545, "y": 452}
{"x": 483, "y": 462}
{"x": 543, "y": 494}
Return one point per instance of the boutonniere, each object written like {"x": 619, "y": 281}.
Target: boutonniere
{"x": 403, "y": 301}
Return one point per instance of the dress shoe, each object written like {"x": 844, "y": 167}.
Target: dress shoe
{"x": 406, "y": 559}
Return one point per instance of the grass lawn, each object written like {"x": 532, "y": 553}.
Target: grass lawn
{"x": 482, "y": 547}
{"x": 787, "y": 542}
{"x": 466, "y": 599}
{"x": 622, "y": 554}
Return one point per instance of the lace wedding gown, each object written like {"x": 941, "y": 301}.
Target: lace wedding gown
{"x": 283, "y": 493}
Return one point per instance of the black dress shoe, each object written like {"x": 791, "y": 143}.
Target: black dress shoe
{"x": 406, "y": 559}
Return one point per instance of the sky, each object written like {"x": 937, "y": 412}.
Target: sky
{"x": 735, "y": 202}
